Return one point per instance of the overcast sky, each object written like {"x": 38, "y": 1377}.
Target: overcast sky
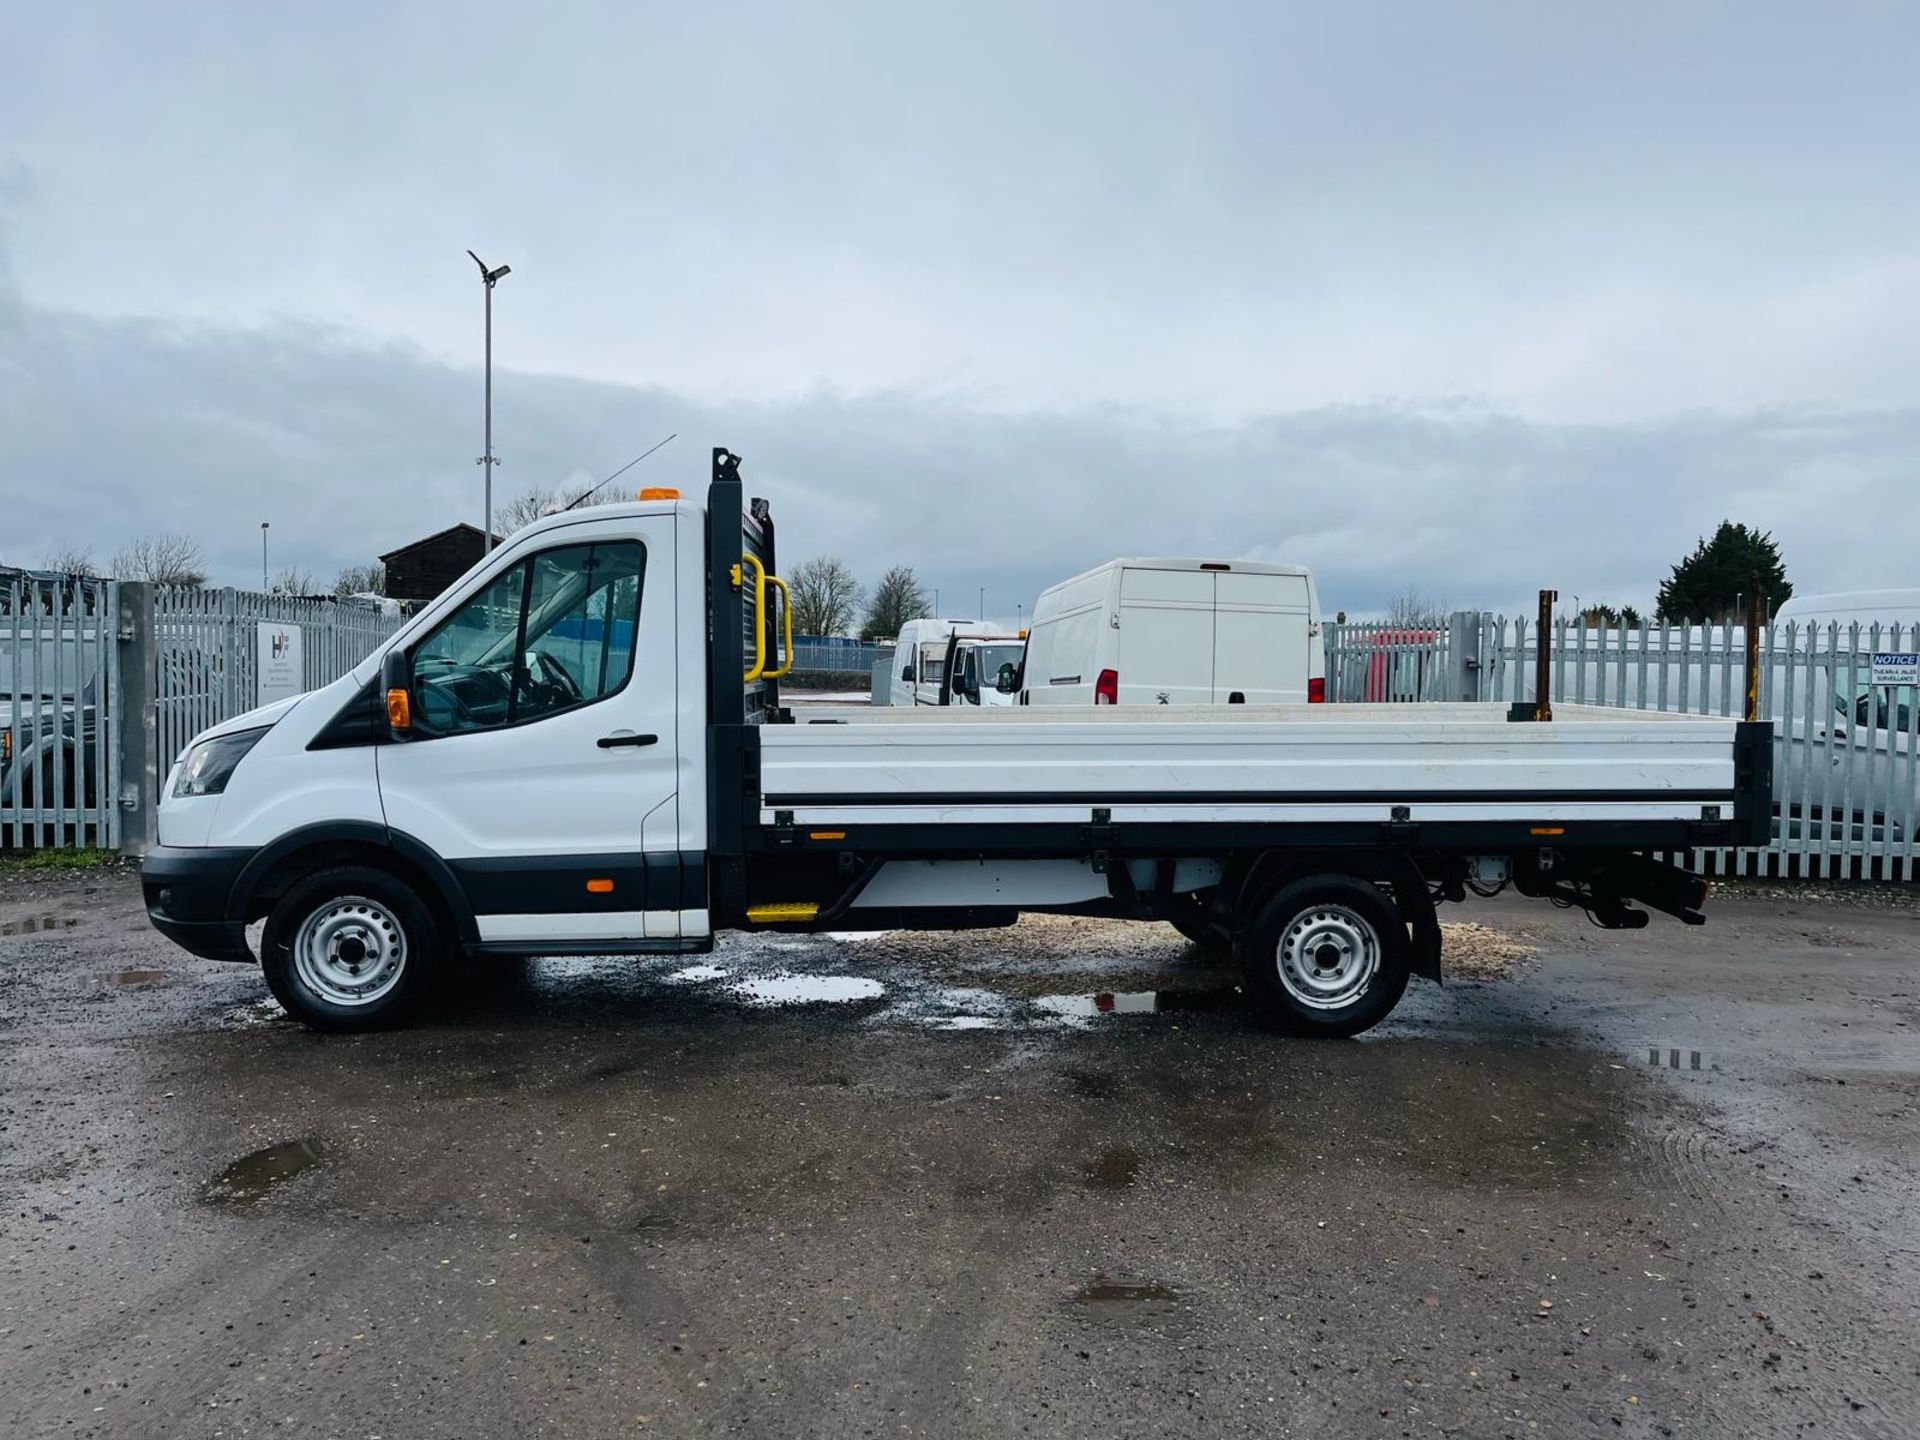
{"x": 1466, "y": 298}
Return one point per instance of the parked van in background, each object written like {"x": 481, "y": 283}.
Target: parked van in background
{"x": 1177, "y": 632}
{"x": 920, "y": 658}
{"x": 983, "y": 670}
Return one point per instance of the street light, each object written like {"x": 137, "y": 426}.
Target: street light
{"x": 489, "y": 278}
{"x": 263, "y": 554}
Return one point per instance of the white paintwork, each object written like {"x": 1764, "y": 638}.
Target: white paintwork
{"x": 546, "y": 787}
{"x": 1216, "y": 753}
{"x": 1849, "y": 607}
{"x": 281, "y": 785}
{"x": 1177, "y": 632}
{"x": 612, "y": 925}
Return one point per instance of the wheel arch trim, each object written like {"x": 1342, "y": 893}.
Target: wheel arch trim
{"x": 445, "y": 892}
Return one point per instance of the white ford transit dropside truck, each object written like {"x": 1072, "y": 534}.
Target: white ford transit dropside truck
{"x": 580, "y": 748}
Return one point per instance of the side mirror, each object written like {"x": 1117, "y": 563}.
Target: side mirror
{"x": 396, "y": 680}
{"x": 906, "y": 675}
{"x": 959, "y": 682}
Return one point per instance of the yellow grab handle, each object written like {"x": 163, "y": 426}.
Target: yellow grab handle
{"x": 786, "y": 617}
{"x": 759, "y": 617}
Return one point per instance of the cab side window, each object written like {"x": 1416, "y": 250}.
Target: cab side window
{"x": 555, "y": 632}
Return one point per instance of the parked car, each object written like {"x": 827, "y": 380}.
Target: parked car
{"x": 1177, "y": 632}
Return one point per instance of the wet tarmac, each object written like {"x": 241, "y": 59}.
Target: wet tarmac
{"x": 1043, "y": 1181}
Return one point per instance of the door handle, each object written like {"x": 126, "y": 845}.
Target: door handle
{"x": 626, "y": 737}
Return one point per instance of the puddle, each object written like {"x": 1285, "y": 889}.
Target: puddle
{"x": 251, "y": 1176}
{"x": 1079, "y": 1009}
{"x": 791, "y": 989}
{"x": 694, "y": 974}
{"x": 34, "y": 924}
{"x": 1114, "y": 1168}
{"x": 135, "y": 977}
{"x": 1125, "y": 1299}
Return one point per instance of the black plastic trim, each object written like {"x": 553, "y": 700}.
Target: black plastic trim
{"x": 556, "y": 884}
{"x": 361, "y": 721}
{"x": 187, "y": 892}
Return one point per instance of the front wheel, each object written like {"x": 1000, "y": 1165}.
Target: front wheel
{"x": 350, "y": 948}
{"x": 1327, "y": 956}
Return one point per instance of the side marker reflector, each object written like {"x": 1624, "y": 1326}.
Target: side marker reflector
{"x": 786, "y": 910}
{"x": 599, "y": 887}
{"x": 1548, "y": 830}
{"x": 826, "y": 834}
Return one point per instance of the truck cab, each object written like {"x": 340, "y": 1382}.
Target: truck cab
{"x": 982, "y": 670}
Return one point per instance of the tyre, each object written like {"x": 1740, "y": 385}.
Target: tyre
{"x": 1192, "y": 916}
{"x": 350, "y": 948}
{"x": 1327, "y": 955}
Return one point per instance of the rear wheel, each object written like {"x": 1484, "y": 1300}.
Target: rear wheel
{"x": 1327, "y": 955}
{"x": 350, "y": 948}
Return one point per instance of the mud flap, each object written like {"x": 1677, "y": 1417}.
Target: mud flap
{"x": 1416, "y": 908}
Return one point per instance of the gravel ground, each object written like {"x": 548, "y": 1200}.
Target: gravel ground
{"x": 1043, "y": 1180}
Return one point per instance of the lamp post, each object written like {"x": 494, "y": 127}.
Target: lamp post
{"x": 983, "y": 603}
{"x": 489, "y": 278}
{"x": 263, "y": 554}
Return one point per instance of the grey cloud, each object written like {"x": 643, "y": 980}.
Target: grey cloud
{"x": 110, "y": 428}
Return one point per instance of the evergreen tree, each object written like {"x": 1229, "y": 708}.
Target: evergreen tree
{"x": 1713, "y": 582}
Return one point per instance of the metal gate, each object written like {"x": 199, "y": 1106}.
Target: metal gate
{"x": 58, "y": 682}
{"x": 205, "y": 652}
{"x": 1846, "y": 731}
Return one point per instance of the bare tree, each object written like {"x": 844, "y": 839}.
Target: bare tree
{"x": 293, "y": 581}
{"x": 166, "y": 559}
{"x": 537, "y": 502}
{"x": 361, "y": 580}
{"x": 897, "y": 599}
{"x": 69, "y": 559}
{"x": 826, "y": 597}
{"x": 1411, "y": 610}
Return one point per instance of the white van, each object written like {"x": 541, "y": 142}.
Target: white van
{"x": 1177, "y": 632}
{"x": 1865, "y": 608}
{"x": 983, "y": 670}
{"x": 920, "y": 658}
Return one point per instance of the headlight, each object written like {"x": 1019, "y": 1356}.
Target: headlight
{"x": 210, "y": 764}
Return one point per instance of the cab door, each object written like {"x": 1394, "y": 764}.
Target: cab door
{"x": 544, "y": 771}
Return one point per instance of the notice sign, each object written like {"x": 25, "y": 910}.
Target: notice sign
{"x": 279, "y": 660}
{"x": 1894, "y": 669}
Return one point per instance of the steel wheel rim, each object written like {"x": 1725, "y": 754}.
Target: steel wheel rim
{"x": 1328, "y": 957}
{"x": 350, "y": 951}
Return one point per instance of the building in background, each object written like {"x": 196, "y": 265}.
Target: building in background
{"x": 420, "y": 571}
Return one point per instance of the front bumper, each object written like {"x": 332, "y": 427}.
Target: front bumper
{"x": 189, "y": 894}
